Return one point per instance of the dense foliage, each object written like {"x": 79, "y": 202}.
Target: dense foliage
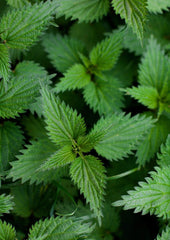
{"x": 84, "y": 119}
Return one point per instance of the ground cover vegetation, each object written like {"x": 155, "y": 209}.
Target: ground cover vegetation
{"x": 84, "y": 119}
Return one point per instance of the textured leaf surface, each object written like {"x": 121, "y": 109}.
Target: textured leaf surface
{"x": 58, "y": 228}
{"x": 165, "y": 234}
{"x": 106, "y": 53}
{"x": 11, "y": 140}
{"x": 7, "y": 232}
{"x": 84, "y": 10}
{"x": 17, "y": 3}
{"x": 28, "y": 164}
{"x": 154, "y": 68}
{"x": 4, "y": 62}
{"x": 63, "y": 51}
{"x": 89, "y": 175}
{"x": 64, "y": 124}
{"x": 60, "y": 158}
{"x": 151, "y": 196}
{"x": 20, "y": 94}
{"x": 21, "y": 28}
{"x": 164, "y": 156}
{"x": 158, "y": 6}
{"x": 103, "y": 95}
{"x": 151, "y": 143}
{"x": 75, "y": 77}
{"x": 147, "y": 96}
{"x": 134, "y": 13}
{"x": 121, "y": 134}
{"x": 6, "y": 204}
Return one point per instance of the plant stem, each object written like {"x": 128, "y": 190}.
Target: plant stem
{"x": 124, "y": 174}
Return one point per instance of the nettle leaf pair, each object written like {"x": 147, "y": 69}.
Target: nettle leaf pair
{"x": 154, "y": 93}
{"x": 100, "y": 86}
{"x": 153, "y": 196}
{"x": 113, "y": 138}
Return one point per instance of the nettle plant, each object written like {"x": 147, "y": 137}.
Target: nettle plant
{"x": 84, "y": 84}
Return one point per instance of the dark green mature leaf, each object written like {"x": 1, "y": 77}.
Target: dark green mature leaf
{"x": 33, "y": 200}
{"x": 4, "y": 62}
{"x": 151, "y": 143}
{"x": 75, "y": 77}
{"x": 106, "y": 53}
{"x": 59, "y": 228}
{"x": 27, "y": 166}
{"x": 158, "y": 6}
{"x": 103, "y": 95}
{"x": 121, "y": 134}
{"x": 21, "y": 29}
{"x": 151, "y": 196}
{"x": 6, "y": 204}
{"x": 64, "y": 124}
{"x": 89, "y": 174}
{"x": 11, "y": 140}
{"x": 63, "y": 51}
{"x": 134, "y": 13}
{"x": 7, "y": 232}
{"x": 165, "y": 234}
{"x": 84, "y": 10}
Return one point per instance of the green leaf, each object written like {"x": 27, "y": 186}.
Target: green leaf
{"x": 7, "y": 232}
{"x": 22, "y": 91}
{"x": 6, "y": 204}
{"x": 59, "y": 228}
{"x": 4, "y": 62}
{"x": 146, "y": 95}
{"x": 103, "y": 95}
{"x": 152, "y": 196}
{"x": 121, "y": 134}
{"x": 165, "y": 234}
{"x": 18, "y": 3}
{"x": 154, "y": 68}
{"x": 60, "y": 158}
{"x": 151, "y": 143}
{"x": 89, "y": 175}
{"x": 134, "y": 13}
{"x": 11, "y": 140}
{"x": 158, "y": 6}
{"x": 106, "y": 53}
{"x": 27, "y": 166}
{"x": 64, "y": 124}
{"x": 164, "y": 156}
{"x": 35, "y": 200}
{"x": 76, "y": 77}
{"x": 84, "y": 10}
{"x": 63, "y": 51}
{"x": 21, "y": 28}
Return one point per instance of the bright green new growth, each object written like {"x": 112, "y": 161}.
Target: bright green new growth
{"x": 7, "y": 232}
{"x": 6, "y": 204}
{"x": 164, "y": 156}
{"x": 158, "y": 6}
{"x": 154, "y": 79}
{"x": 134, "y": 13}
